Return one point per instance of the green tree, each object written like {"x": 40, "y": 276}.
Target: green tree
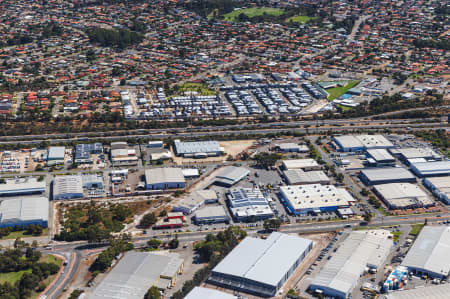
{"x": 154, "y": 243}
{"x": 153, "y": 293}
{"x": 148, "y": 220}
{"x": 174, "y": 243}
{"x": 272, "y": 224}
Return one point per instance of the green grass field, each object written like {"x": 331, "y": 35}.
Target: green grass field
{"x": 252, "y": 12}
{"x": 336, "y": 92}
{"x": 197, "y": 87}
{"x": 300, "y": 19}
{"x": 415, "y": 230}
{"x": 12, "y": 277}
{"x": 20, "y": 234}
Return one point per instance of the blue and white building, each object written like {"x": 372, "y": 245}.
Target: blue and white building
{"x": 261, "y": 267}
{"x": 440, "y": 187}
{"x": 24, "y": 211}
{"x": 248, "y": 204}
{"x": 431, "y": 169}
{"x": 360, "y": 143}
{"x": 197, "y": 149}
{"x": 22, "y": 186}
{"x": 314, "y": 198}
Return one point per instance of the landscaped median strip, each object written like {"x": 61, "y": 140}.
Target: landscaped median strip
{"x": 56, "y": 277}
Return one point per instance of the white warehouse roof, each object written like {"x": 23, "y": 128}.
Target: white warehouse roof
{"x": 401, "y": 195}
{"x": 298, "y": 177}
{"x": 25, "y": 209}
{"x": 230, "y": 175}
{"x": 135, "y": 273}
{"x": 300, "y": 164}
{"x": 195, "y": 147}
{"x": 264, "y": 261}
{"x": 361, "y": 249}
{"x": 314, "y": 196}
{"x": 164, "y": 175}
{"x": 205, "y": 293}
{"x": 430, "y": 251}
{"x": 22, "y": 186}
{"x": 431, "y": 168}
{"x": 429, "y": 292}
{"x": 67, "y": 186}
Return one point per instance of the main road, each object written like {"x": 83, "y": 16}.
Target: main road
{"x": 76, "y": 251}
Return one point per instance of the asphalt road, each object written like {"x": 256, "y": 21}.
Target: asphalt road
{"x": 74, "y": 255}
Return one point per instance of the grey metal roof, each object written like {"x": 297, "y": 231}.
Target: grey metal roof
{"x": 298, "y": 176}
{"x": 388, "y": 173}
{"x": 135, "y": 273}
{"x": 23, "y": 185}
{"x": 164, "y": 175}
{"x": 361, "y": 248}
{"x": 430, "y": 250}
{"x": 265, "y": 261}
{"x": 196, "y": 147}
{"x": 67, "y": 184}
{"x": 429, "y": 292}
{"x": 211, "y": 212}
{"x": 204, "y": 293}
{"x": 418, "y": 152}
{"x": 56, "y": 152}
{"x": 230, "y": 175}
{"x": 23, "y": 209}
{"x": 380, "y": 154}
{"x": 431, "y": 168}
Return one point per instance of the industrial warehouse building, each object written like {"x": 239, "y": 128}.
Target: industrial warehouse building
{"x": 361, "y": 250}
{"x": 261, "y": 267}
{"x": 195, "y": 200}
{"x": 416, "y": 153}
{"x": 205, "y": 293}
{"x": 440, "y": 187}
{"x": 429, "y": 292}
{"x": 22, "y": 186}
{"x": 164, "y": 178}
{"x": 380, "y": 158}
{"x": 248, "y": 204}
{"x": 386, "y": 175}
{"x": 197, "y": 149}
{"x": 303, "y": 164}
{"x": 136, "y": 272}
{"x": 84, "y": 151}
{"x": 67, "y": 187}
{"x": 24, "y": 211}
{"x": 403, "y": 196}
{"x": 291, "y": 148}
{"x": 300, "y": 177}
{"x": 121, "y": 154}
{"x": 429, "y": 253}
{"x": 55, "y": 155}
{"x": 230, "y": 175}
{"x": 359, "y": 143}
{"x": 211, "y": 214}
{"x": 314, "y": 198}
{"x": 430, "y": 169}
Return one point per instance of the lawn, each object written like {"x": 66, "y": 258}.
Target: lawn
{"x": 336, "y": 92}
{"x": 48, "y": 259}
{"x": 252, "y": 12}
{"x": 21, "y": 234}
{"x": 200, "y": 88}
{"x": 300, "y": 19}
{"x": 12, "y": 277}
{"x": 415, "y": 230}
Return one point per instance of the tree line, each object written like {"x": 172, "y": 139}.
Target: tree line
{"x": 212, "y": 250}
{"x": 20, "y": 259}
{"x": 115, "y": 38}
